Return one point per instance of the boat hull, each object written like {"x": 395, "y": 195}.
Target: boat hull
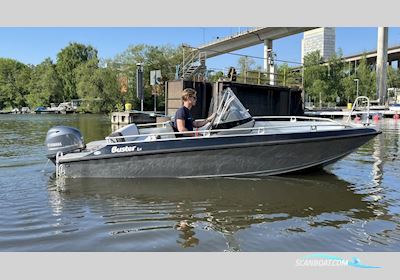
{"x": 255, "y": 156}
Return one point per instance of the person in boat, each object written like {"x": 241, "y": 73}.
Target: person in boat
{"x": 183, "y": 117}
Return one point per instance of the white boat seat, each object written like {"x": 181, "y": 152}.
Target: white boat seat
{"x": 159, "y": 132}
{"x": 129, "y": 133}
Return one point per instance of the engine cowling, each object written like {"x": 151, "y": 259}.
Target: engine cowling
{"x": 63, "y": 139}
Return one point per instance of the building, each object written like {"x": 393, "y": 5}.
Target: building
{"x": 320, "y": 39}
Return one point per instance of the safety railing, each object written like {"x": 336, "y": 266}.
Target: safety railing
{"x": 152, "y": 137}
{"x": 295, "y": 118}
{"x": 355, "y": 105}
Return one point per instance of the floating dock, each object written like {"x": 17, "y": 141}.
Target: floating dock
{"x": 134, "y": 116}
{"x": 345, "y": 113}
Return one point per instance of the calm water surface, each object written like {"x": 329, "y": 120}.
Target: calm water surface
{"x": 353, "y": 205}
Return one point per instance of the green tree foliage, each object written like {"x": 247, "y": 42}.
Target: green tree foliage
{"x": 215, "y": 76}
{"x": 14, "y": 83}
{"x": 393, "y": 77}
{"x": 245, "y": 64}
{"x": 250, "y": 72}
{"x": 45, "y": 86}
{"x": 314, "y": 73}
{"x": 287, "y": 76}
{"x": 332, "y": 79}
{"x": 97, "y": 87}
{"x": 367, "y": 79}
{"x": 68, "y": 59}
{"x": 164, "y": 58}
{"x": 349, "y": 88}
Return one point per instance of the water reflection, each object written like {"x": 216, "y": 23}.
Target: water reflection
{"x": 226, "y": 206}
{"x": 357, "y": 210}
{"x": 377, "y": 166}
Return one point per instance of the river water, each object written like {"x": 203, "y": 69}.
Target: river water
{"x": 353, "y": 205}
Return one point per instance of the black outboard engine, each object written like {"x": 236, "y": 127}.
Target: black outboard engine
{"x": 63, "y": 139}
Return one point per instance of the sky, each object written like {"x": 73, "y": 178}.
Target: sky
{"x": 32, "y": 45}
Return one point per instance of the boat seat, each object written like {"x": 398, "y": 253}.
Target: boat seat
{"x": 132, "y": 133}
{"x": 129, "y": 133}
{"x": 167, "y": 128}
{"x": 116, "y": 134}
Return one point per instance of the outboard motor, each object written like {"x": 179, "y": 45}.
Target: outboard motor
{"x": 63, "y": 139}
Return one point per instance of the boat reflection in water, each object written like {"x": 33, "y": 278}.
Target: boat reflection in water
{"x": 207, "y": 214}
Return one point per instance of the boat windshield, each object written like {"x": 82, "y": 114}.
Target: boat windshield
{"x": 230, "y": 111}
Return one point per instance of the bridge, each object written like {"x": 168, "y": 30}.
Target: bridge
{"x": 249, "y": 38}
{"x": 393, "y": 54}
{"x": 194, "y": 60}
{"x": 371, "y": 57}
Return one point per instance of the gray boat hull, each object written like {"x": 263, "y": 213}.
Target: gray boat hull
{"x": 264, "y": 157}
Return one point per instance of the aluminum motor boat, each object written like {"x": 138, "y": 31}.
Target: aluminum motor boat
{"x": 233, "y": 144}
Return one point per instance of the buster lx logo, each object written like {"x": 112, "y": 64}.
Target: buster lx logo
{"x": 125, "y": 149}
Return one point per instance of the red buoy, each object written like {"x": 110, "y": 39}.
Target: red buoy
{"x": 357, "y": 119}
{"x": 396, "y": 116}
{"x": 375, "y": 117}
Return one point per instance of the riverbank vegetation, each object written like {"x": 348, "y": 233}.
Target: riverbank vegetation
{"x": 104, "y": 85}
{"x": 78, "y": 73}
{"x": 335, "y": 82}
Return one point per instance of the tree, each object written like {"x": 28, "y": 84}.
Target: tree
{"x": 68, "y": 59}
{"x": 98, "y": 87}
{"x": 324, "y": 80}
{"x": 314, "y": 85}
{"x": 45, "y": 86}
{"x": 367, "y": 79}
{"x": 245, "y": 64}
{"x": 215, "y": 76}
{"x": 333, "y": 78}
{"x": 287, "y": 76}
{"x": 393, "y": 77}
{"x": 164, "y": 58}
{"x": 349, "y": 88}
{"x": 14, "y": 81}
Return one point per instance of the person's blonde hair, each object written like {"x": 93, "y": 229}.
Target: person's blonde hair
{"x": 188, "y": 92}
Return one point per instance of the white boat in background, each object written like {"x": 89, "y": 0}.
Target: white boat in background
{"x": 394, "y": 107}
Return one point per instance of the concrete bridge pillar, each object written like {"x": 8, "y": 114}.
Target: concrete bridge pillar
{"x": 381, "y": 64}
{"x": 269, "y": 65}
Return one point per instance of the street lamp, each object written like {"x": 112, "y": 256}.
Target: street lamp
{"x": 356, "y": 80}
{"x": 139, "y": 84}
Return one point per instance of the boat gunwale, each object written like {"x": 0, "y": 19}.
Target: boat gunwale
{"x": 214, "y": 132}
{"x": 91, "y": 156}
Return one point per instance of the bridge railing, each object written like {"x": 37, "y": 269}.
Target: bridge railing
{"x": 262, "y": 78}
